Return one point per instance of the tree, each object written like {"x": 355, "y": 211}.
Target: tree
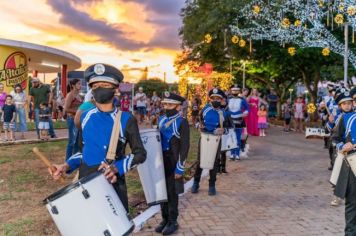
{"x": 151, "y": 85}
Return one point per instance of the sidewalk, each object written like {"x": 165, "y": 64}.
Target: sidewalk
{"x": 282, "y": 189}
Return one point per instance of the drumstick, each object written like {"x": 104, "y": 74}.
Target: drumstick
{"x": 45, "y": 160}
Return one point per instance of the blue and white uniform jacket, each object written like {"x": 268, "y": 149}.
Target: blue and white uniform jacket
{"x": 237, "y": 109}
{"x": 210, "y": 117}
{"x": 345, "y": 130}
{"x": 97, "y": 127}
{"x": 174, "y": 132}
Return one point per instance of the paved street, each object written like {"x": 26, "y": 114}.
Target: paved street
{"x": 282, "y": 189}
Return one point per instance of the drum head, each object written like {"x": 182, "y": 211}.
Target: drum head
{"x": 63, "y": 191}
{"x": 148, "y": 131}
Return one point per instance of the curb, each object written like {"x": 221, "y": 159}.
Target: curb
{"x": 30, "y": 141}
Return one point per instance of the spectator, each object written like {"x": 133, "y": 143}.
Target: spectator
{"x": 195, "y": 111}
{"x": 272, "y": 100}
{"x": 154, "y": 97}
{"x": 262, "y": 120}
{"x": 60, "y": 105}
{"x": 20, "y": 102}
{"x": 2, "y": 102}
{"x": 141, "y": 103}
{"x": 9, "y": 116}
{"x": 71, "y": 104}
{"x": 44, "y": 116}
{"x": 299, "y": 108}
{"x": 41, "y": 93}
{"x": 287, "y": 115}
{"x": 116, "y": 100}
{"x": 184, "y": 108}
{"x": 125, "y": 103}
{"x": 253, "y": 101}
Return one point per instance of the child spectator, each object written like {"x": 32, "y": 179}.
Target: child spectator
{"x": 262, "y": 120}
{"x": 287, "y": 115}
{"x": 43, "y": 125}
{"x": 125, "y": 103}
{"x": 9, "y": 116}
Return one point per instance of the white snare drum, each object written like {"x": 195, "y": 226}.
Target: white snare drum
{"x": 151, "y": 172}
{"x": 209, "y": 144}
{"x": 351, "y": 160}
{"x": 336, "y": 168}
{"x": 229, "y": 140}
{"x": 314, "y": 132}
{"x": 89, "y": 206}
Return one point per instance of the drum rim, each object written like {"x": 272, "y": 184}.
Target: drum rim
{"x": 148, "y": 130}
{"x": 66, "y": 189}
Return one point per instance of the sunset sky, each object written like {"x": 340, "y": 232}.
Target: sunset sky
{"x": 130, "y": 34}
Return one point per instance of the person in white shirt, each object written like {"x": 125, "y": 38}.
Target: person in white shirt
{"x": 141, "y": 104}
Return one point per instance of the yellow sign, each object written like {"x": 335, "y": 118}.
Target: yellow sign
{"x": 13, "y": 68}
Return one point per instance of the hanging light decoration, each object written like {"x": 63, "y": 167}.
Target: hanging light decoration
{"x": 297, "y": 23}
{"x": 351, "y": 10}
{"x": 291, "y": 51}
{"x": 208, "y": 38}
{"x": 339, "y": 19}
{"x": 256, "y": 9}
{"x": 235, "y": 39}
{"x": 242, "y": 43}
{"x": 285, "y": 22}
{"x": 325, "y": 52}
{"x": 310, "y": 19}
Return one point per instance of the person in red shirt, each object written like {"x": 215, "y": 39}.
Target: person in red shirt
{"x": 125, "y": 103}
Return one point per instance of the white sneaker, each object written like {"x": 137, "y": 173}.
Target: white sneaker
{"x": 237, "y": 158}
{"x": 335, "y": 202}
{"x": 244, "y": 154}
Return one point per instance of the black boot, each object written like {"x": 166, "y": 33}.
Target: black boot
{"x": 223, "y": 170}
{"x": 161, "y": 226}
{"x": 170, "y": 228}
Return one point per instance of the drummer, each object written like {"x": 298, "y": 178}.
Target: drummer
{"x": 238, "y": 110}
{"x": 345, "y": 134}
{"x": 97, "y": 124}
{"x": 174, "y": 131}
{"x": 210, "y": 117}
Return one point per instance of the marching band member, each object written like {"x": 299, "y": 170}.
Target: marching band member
{"x": 97, "y": 124}
{"x": 174, "y": 131}
{"x": 238, "y": 110}
{"x": 345, "y": 136}
{"x": 334, "y": 112}
{"x": 222, "y": 160}
{"x": 210, "y": 123}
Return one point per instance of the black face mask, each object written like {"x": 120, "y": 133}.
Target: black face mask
{"x": 171, "y": 112}
{"x": 216, "y": 104}
{"x": 103, "y": 95}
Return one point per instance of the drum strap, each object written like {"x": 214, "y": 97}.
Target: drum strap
{"x": 115, "y": 134}
{"x": 170, "y": 122}
{"x": 221, "y": 119}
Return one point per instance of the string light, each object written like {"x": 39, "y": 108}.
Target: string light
{"x": 271, "y": 23}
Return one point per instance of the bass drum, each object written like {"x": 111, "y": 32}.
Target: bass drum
{"x": 336, "y": 168}
{"x": 89, "y": 206}
{"x": 151, "y": 172}
{"x": 209, "y": 145}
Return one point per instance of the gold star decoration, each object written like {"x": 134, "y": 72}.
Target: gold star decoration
{"x": 339, "y": 19}
{"x": 291, "y": 51}
{"x": 235, "y": 39}
{"x": 242, "y": 43}
{"x": 325, "y": 52}
{"x": 285, "y": 22}
{"x": 208, "y": 38}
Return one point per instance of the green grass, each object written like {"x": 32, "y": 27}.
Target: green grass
{"x": 6, "y": 197}
{"x": 4, "y": 160}
{"x": 17, "y": 228}
{"x": 20, "y": 152}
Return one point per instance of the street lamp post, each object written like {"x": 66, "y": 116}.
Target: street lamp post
{"x": 346, "y": 56}
{"x": 290, "y": 94}
{"x": 243, "y": 74}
